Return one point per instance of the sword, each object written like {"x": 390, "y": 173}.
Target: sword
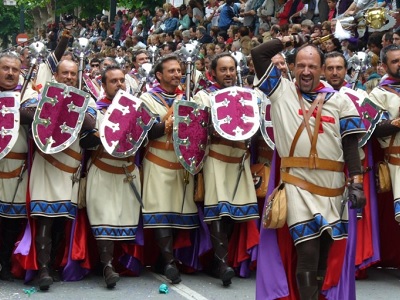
{"x": 129, "y": 179}
{"x": 241, "y": 168}
{"x": 77, "y": 175}
{"x": 19, "y": 180}
{"x": 185, "y": 182}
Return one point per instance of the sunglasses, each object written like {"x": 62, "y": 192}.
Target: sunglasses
{"x": 95, "y": 65}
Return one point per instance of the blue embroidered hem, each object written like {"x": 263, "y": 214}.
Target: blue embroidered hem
{"x": 313, "y": 228}
{"x": 114, "y": 232}
{"x": 15, "y": 210}
{"x": 174, "y": 220}
{"x": 236, "y": 212}
{"x": 63, "y": 208}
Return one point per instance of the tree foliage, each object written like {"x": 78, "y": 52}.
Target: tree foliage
{"x": 140, "y": 3}
{"x": 10, "y": 23}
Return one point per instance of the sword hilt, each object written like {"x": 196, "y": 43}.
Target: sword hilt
{"x": 21, "y": 172}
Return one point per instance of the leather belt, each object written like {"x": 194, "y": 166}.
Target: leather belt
{"x": 393, "y": 160}
{"x": 15, "y": 155}
{"x": 12, "y": 174}
{"x": 162, "y": 162}
{"x": 312, "y": 162}
{"x": 108, "y": 156}
{"x": 59, "y": 165}
{"x": 392, "y": 150}
{"x": 161, "y": 145}
{"x": 310, "y": 187}
{"x": 113, "y": 169}
{"x": 227, "y": 159}
{"x": 225, "y": 142}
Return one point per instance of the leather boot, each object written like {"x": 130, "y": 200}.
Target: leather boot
{"x": 9, "y": 235}
{"x": 307, "y": 285}
{"x": 320, "y": 279}
{"x": 106, "y": 251}
{"x": 165, "y": 241}
{"x": 43, "y": 250}
{"x": 58, "y": 236}
{"x": 219, "y": 240}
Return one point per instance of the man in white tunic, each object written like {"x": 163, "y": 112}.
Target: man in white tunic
{"x": 387, "y": 97}
{"x": 112, "y": 207}
{"x": 51, "y": 189}
{"x": 221, "y": 176}
{"x": 13, "y": 178}
{"x": 316, "y": 132}
{"x": 167, "y": 187}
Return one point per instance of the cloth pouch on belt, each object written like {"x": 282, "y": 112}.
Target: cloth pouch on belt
{"x": 275, "y": 213}
{"x": 382, "y": 175}
{"x": 260, "y": 173}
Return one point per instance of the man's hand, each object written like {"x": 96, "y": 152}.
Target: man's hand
{"x": 356, "y": 195}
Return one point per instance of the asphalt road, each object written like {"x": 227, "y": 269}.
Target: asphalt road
{"x": 380, "y": 284}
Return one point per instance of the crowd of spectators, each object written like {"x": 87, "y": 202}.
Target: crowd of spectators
{"x": 219, "y": 26}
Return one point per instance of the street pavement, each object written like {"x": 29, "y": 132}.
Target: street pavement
{"x": 380, "y": 284}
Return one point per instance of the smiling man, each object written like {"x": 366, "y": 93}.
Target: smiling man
{"x": 168, "y": 204}
{"x": 222, "y": 206}
{"x": 335, "y": 69}
{"x": 316, "y": 132}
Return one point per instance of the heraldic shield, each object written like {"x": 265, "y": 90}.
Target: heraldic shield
{"x": 191, "y": 134}
{"x": 90, "y": 86}
{"x": 235, "y": 114}
{"x": 125, "y": 125}
{"x": 370, "y": 114}
{"x": 267, "y": 129}
{"x": 59, "y": 117}
{"x": 9, "y": 121}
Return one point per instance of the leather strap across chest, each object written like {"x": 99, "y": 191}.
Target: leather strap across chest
{"x": 313, "y": 161}
{"x": 59, "y": 165}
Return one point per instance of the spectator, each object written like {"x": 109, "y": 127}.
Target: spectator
{"x": 396, "y": 37}
{"x": 118, "y": 25}
{"x": 306, "y": 26}
{"x": 332, "y": 9}
{"x": 222, "y": 37}
{"x": 322, "y": 10}
{"x": 147, "y": 22}
{"x": 172, "y": 22}
{"x": 333, "y": 45}
{"x": 210, "y": 49}
{"x": 243, "y": 35}
{"x": 184, "y": 18}
{"x": 185, "y": 36}
{"x": 202, "y": 35}
{"x": 375, "y": 42}
{"x": 212, "y": 14}
{"x": 232, "y": 31}
{"x": 290, "y": 8}
{"x": 197, "y": 12}
{"x": 219, "y": 48}
{"x": 228, "y": 13}
{"x": 124, "y": 27}
{"x": 387, "y": 39}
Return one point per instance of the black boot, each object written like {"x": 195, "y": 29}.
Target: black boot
{"x": 43, "y": 250}
{"x": 320, "y": 279}
{"x": 9, "y": 235}
{"x": 106, "y": 251}
{"x": 164, "y": 240}
{"x": 58, "y": 236}
{"x": 307, "y": 285}
{"x": 219, "y": 240}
